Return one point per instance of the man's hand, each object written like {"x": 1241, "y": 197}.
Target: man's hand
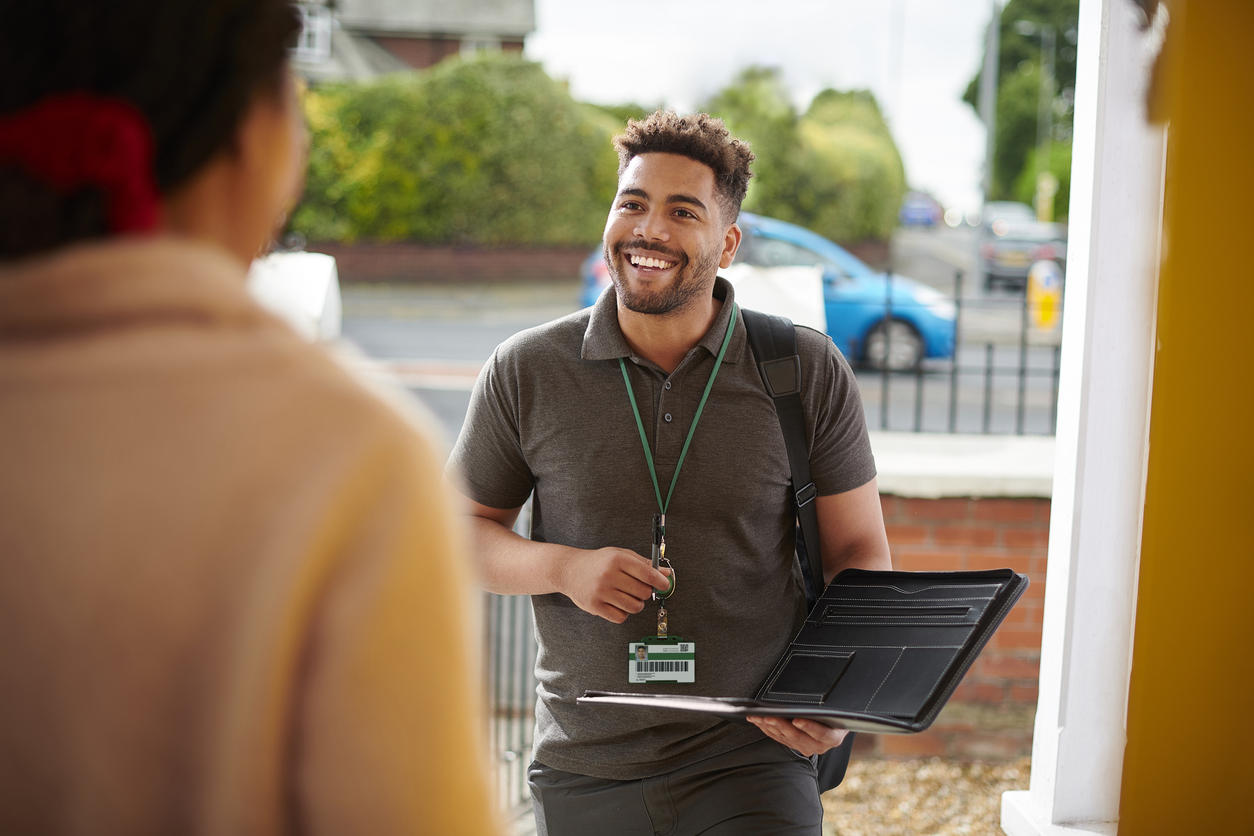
{"x": 805, "y": 737}
{"x": 611, "y": 583}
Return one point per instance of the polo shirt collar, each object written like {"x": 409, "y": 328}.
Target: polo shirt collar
{"x": 603, "y": 339}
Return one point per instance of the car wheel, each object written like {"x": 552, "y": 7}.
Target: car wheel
{"x": 896, "y": 341}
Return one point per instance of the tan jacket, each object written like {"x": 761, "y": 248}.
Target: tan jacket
{"x": 233, "y": 598}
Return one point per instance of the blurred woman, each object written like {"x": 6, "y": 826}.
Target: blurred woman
{"x": 223, "y": 564}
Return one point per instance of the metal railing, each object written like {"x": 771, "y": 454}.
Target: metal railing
{"x": 1002, "y": 377}
{"x": 511, "y": 684}
{"x": 510, "y": 656}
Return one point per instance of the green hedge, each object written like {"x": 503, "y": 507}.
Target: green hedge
{"x": 486, "y": 150}
{"x": 489, "y": 150}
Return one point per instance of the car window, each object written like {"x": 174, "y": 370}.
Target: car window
{"x": 775, "y": 252}
{"x": 998, "y": 214}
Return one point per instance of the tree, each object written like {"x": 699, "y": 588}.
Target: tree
{"x": 834, "y": 169}
{"x": 756, "y": 108}
{"x": 1057, "y": 163}
{"x": 622, "y": 113}
{"x": 480, "y": 150}
{"x": 855, "y": 170}
{"x": 1019, "y": 68}
{"x": 1017, "y": 100}
{"x": 1016, "y": 48}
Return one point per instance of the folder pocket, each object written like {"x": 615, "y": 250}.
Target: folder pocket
{"x": 807, "y": 675}
{"x": 893, "y": 613}
{"x": 912, "y": 681}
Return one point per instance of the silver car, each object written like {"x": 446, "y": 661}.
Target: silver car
{"x": 1009, "y": 248}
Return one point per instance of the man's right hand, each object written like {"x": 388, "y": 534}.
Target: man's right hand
{"x": 611, "y": 583}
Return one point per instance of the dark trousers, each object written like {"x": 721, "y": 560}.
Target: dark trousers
{"x": 762, "y": 788}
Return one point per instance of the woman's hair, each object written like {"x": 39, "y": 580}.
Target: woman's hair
{"x": 191, "y": 68}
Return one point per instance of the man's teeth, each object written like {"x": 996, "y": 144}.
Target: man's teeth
{"x": 645, "y": 261}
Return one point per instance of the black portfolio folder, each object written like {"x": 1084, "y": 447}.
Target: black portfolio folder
{"x": 879, "y": 652}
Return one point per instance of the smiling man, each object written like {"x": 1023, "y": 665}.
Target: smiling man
{"x": 661, "y": 547}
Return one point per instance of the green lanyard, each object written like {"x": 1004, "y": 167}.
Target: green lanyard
{"x": 644, "y": 441}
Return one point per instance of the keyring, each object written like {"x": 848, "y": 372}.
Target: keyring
{"x": 670, "y": 590}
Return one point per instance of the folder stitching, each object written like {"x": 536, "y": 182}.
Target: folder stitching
{"x": 901, "y": 651}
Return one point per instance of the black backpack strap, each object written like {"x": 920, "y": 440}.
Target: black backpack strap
{"x": 774, "y": 343}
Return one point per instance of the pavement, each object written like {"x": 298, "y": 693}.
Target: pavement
{"x": 504, "y": 301}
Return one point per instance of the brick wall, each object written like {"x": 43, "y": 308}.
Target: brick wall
{"x": 990, "y": 716}
{"x": 419, "y": 52}
{"x": 451, "y": 265}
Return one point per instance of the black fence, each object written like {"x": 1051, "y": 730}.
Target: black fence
{"x": 1002, "y": 377}
{"x": 511, "y": 684}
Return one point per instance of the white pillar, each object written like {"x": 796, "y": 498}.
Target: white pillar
{"x": 1103, "y": 407}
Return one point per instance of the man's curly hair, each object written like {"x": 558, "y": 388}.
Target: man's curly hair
{"x": 699, "y": 137}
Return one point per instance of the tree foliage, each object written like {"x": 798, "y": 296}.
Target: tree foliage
{"x": 833, "y": 169}
{"x": 1057, "y": 163}
{"x": 1020, "y": 66}
{"x": 1018, "y": 97}
{"x": 490, "y": 150}
{"x": 481, "y": 150}
{"x": 620, "y": 114}
{"x": 1017, "y": 48}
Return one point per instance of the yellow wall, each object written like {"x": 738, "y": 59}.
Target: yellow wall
{"x": 1189, "y": 762}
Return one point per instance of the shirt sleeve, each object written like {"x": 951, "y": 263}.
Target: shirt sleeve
{"x": 488, "y": 461}
{"x": 840, "y": 446}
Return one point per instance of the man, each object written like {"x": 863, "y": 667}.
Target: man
{"x": 643, "y": 423}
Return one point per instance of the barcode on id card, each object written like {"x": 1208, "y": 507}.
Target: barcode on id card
{"x": 661, "y": 667}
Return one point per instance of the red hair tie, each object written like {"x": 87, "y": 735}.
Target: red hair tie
{"x": 75, "y": 139}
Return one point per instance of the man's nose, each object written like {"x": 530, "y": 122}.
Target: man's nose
{"x": 652, "y": 226}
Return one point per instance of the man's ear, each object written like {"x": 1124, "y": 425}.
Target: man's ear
{"x": 731, "y": 243}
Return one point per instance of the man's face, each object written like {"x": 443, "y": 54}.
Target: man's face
{"x": 665, "y": 237}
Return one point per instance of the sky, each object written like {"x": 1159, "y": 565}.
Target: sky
{"x": 917, "y": 56}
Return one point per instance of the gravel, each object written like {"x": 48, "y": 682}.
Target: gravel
{"x": 925, "y": 797}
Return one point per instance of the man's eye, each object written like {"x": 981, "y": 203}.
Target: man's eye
{"x": 630, "y": 204}
{"x": 684, "y": 213}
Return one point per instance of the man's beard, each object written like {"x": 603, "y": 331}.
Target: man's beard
{"x": 688, "y": 284}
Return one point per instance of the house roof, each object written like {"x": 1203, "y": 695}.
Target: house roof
{"x": 499, "y": 18}
{"x": 352, "y": 58}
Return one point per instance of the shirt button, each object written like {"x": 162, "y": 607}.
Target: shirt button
{"x": 666, "y": 385}
{"x": 667, "y": 417}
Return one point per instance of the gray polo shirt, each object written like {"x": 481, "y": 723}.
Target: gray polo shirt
{"x": 550, "y": 415}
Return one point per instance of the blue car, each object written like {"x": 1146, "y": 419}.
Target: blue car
{"x": 918, "y": 209}
{"x": 870, "y": 324}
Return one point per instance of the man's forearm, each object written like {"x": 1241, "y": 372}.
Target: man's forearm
{"x": 509, "y": 564}
{"x": 609, "y": 582}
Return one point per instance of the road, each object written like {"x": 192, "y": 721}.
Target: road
{"x": 434, "y": 339}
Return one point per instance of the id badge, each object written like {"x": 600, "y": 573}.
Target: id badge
{"x": 661, "y": 660}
